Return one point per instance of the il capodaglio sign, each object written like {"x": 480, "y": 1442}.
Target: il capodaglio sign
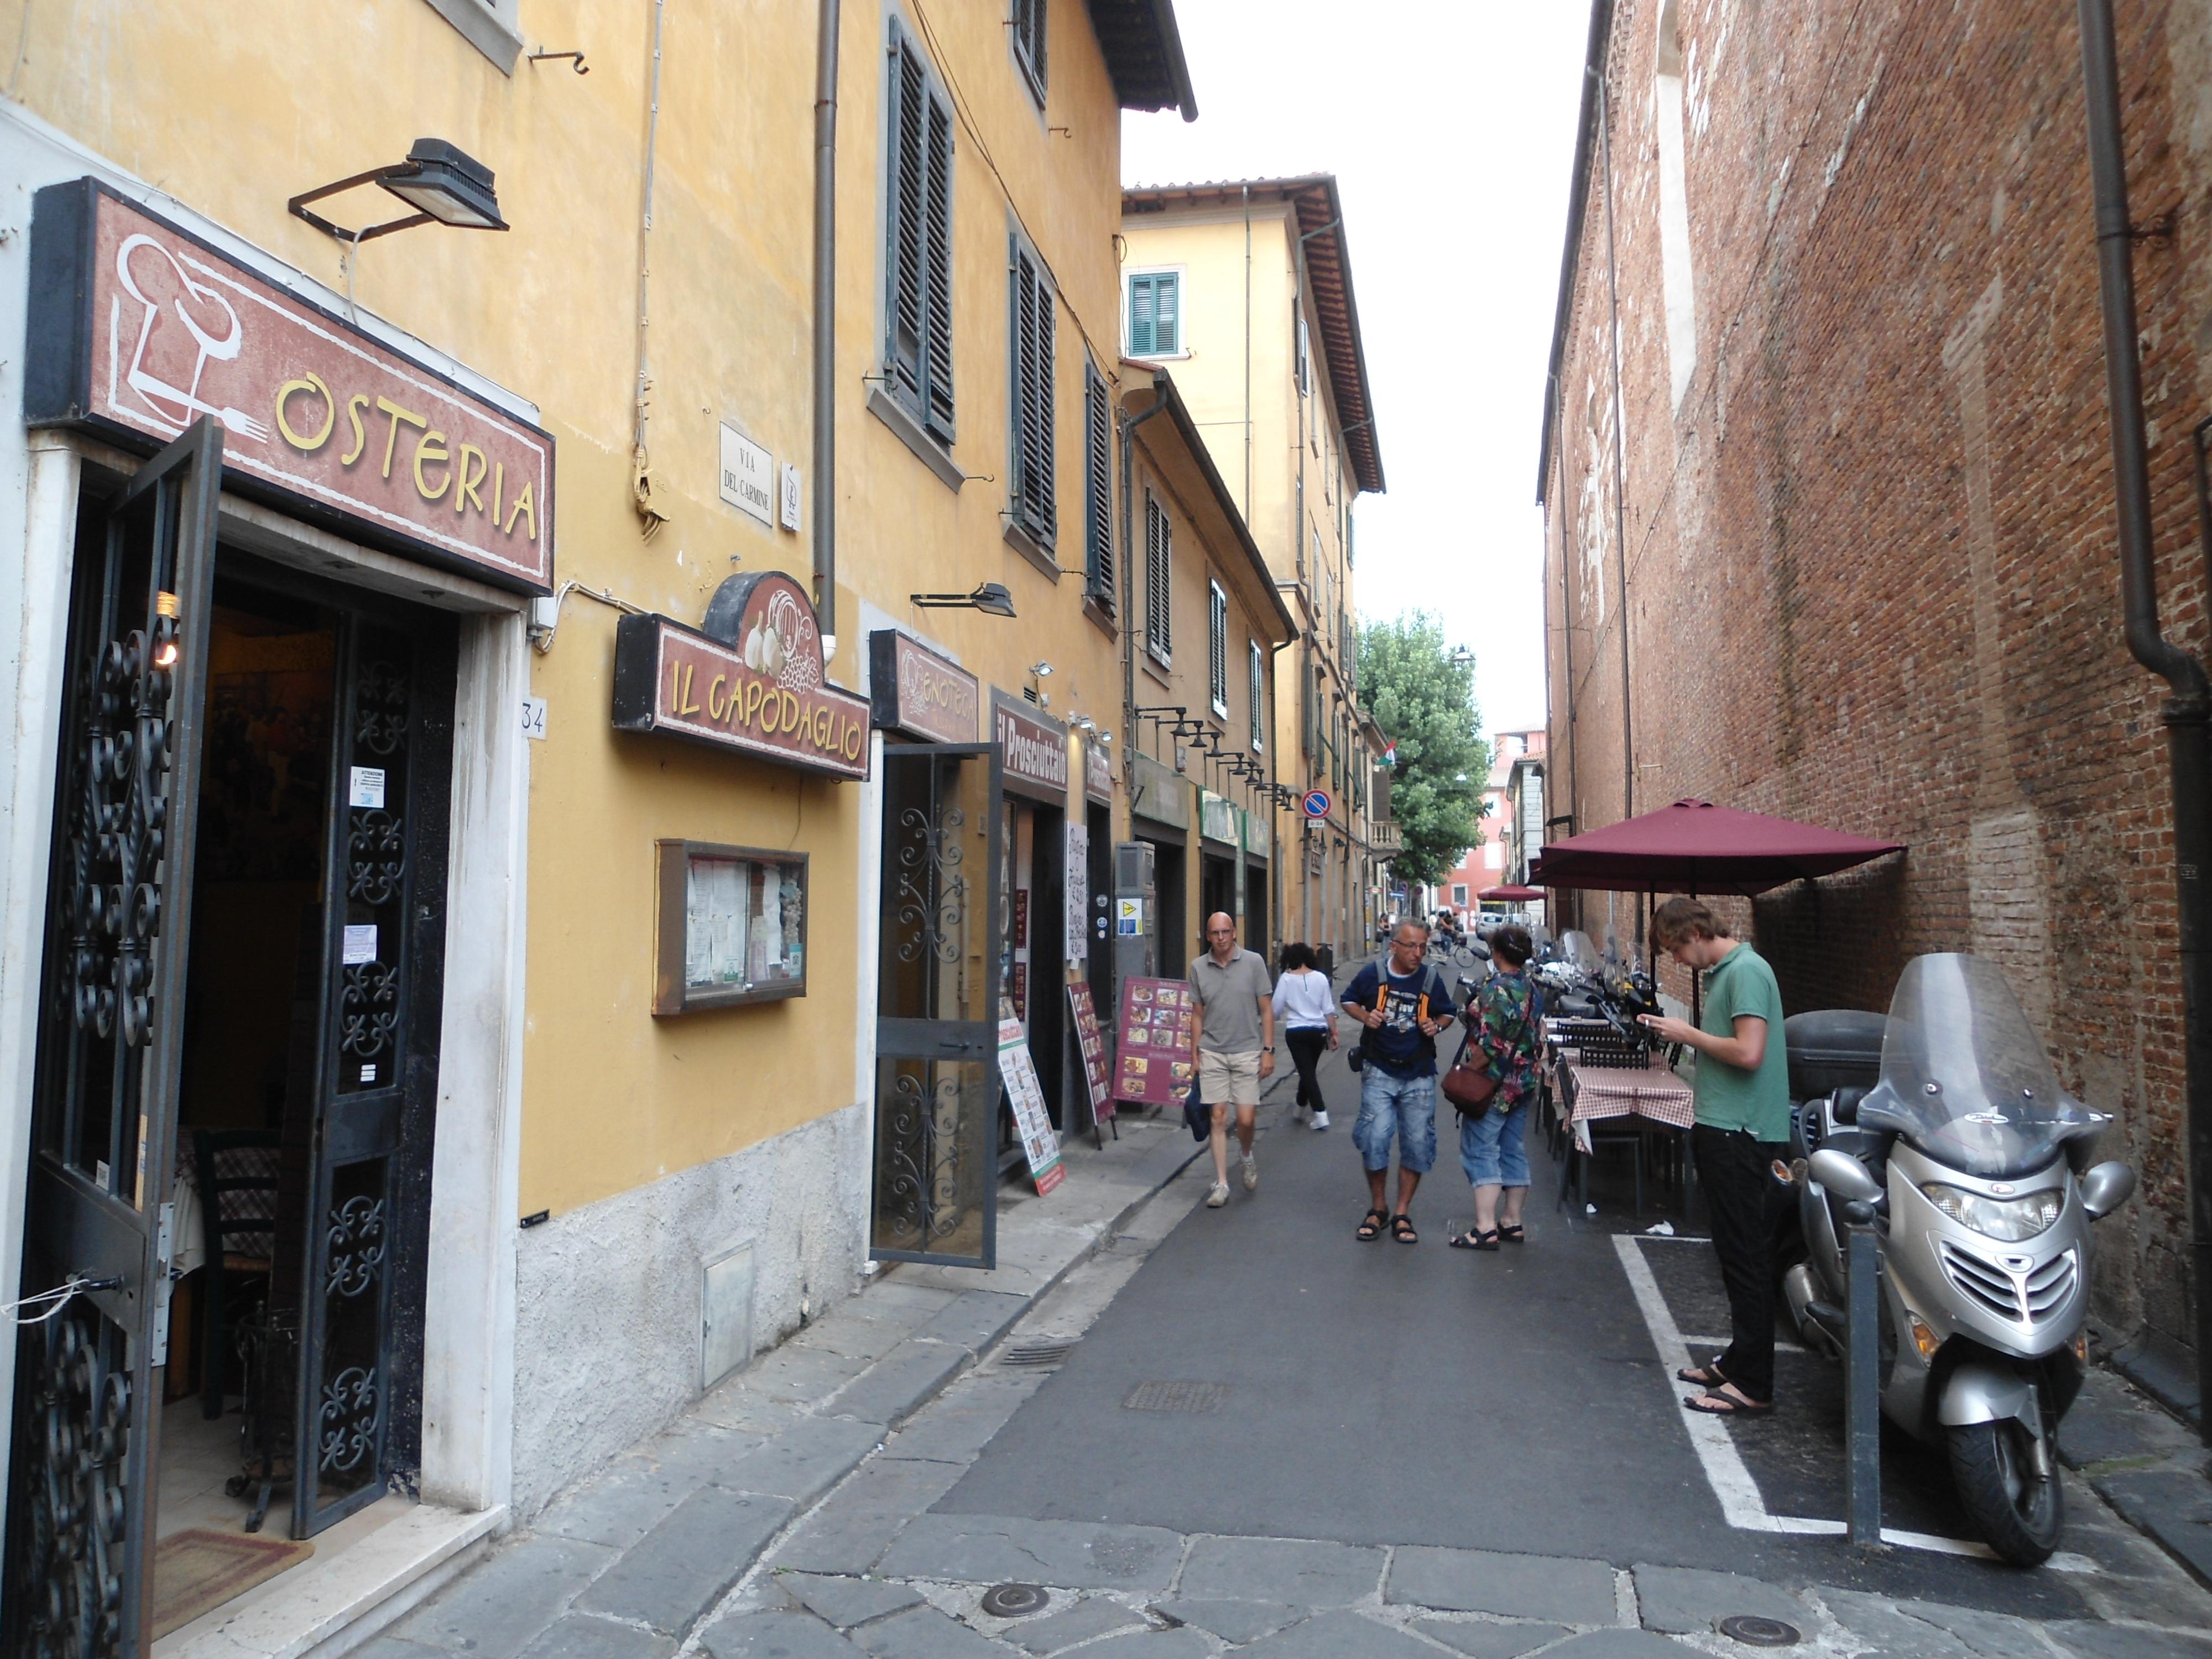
{"x": 752, "y": 681}
{"x": 138, "y": 329}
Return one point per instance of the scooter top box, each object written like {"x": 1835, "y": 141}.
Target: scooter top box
{"x": 1832, "y": 1049}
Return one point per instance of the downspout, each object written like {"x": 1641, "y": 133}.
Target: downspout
{"x": 1619, "y": 453}
{"x": 825, "y": 325}
{"x": 650, "y": 517}
{"x": 1567, "y": 625}
{"x": 1129, "y": 425}
{"x": 1248, "y": 354}
{"x": 2189, "y": 704}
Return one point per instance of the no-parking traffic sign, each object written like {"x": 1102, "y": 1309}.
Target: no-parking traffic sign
{"x": 1316, "y": 803}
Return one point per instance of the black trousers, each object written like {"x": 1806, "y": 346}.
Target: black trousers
{"x": 1308, "y": 1044}
{"x": 1748, "y": 1206}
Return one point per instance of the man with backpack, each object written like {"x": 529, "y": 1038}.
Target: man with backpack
{"x": 1401, "y": 1001}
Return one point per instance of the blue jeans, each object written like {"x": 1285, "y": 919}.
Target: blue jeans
{"x": 1490, "y": 1148}
{"x": 1404, "y": 1107}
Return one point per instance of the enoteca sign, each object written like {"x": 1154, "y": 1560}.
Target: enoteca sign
{"x": 750, "y": 681}
{"x": 137, "y": 328}
{"x": 912, "y": 689}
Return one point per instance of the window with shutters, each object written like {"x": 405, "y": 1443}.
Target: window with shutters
{"x": 918, "y": 239}
{"x": 1028, "y": 30}
{"x": 1097, "y": 489}
{"x": 1310, "y": 725}
{"x": 1216, "y": 648}
{"x": 1155, "y": 314}
{"x": 1255, "y": 692}
{"x": 1030, "y": 498}
{"x": 1159, "y": 549}
{"x": 1303, "y": 365}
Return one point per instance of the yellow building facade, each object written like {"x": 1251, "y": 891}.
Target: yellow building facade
{"x": 523, "y": 655}
{"x": 1243, "y": 291}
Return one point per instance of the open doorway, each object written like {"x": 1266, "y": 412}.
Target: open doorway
{"x": 291, "y": 1403}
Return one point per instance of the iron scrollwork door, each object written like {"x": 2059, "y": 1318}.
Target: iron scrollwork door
{"x": 88, "y": 1378}
{"x": 936, "y": 1073}
{"x": 367, "y": 1194}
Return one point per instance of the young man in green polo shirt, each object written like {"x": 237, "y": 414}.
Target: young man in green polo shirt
{"x": 1742, "y": 1128}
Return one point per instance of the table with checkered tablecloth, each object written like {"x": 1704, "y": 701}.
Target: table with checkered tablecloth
{"x": 1588, "y": 1094}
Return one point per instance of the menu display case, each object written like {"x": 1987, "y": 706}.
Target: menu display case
{"x": 730, "y": 926}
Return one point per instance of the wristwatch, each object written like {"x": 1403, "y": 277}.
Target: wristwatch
{"x": 1269, "y": 1049}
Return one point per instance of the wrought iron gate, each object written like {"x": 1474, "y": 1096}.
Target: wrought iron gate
{"x": 368, "y": 1200}
{"x": 88, "y": 1378}
{"x": 937, "y": 1074}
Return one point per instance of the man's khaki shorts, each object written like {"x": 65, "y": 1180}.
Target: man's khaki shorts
{"x": 1228, "y": 1079}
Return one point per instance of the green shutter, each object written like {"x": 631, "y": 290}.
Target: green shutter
{"x": 1166, "y": 315}
{"x": 1141, "y": 316}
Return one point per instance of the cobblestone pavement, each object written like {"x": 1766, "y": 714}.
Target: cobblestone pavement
{"x": 807, "y": 1509}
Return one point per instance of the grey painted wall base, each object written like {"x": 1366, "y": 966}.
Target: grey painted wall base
{"x": 608, "y": 1296}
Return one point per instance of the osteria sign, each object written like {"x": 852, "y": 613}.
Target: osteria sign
{"x": 138, "y": 329}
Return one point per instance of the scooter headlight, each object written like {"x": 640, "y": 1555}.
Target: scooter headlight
{"x": 2007, "y": 1219}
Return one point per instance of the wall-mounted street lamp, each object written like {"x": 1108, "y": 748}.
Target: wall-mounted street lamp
{"x": 991, "y": 597}
{"x": 1462, "y": 656}
{"x": 440, "y": 181}
{"x": 1041, "y": 669}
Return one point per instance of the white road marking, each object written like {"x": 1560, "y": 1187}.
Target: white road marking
{"x": 1741, "y": 1504}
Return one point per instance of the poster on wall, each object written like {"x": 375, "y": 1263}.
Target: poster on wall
{"x": 1092, "y": 1042}
{"x": 1075, "y": 885}
{"x": 1157, "y": 1065}
{"x": 1024, "y": 1093}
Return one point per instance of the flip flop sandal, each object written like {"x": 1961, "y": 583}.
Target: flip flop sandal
{"x": 1401, "y": 1228}
{"x": 1371, "y": 1225}
{"x": 1705, "y": 1377}
{"x": 1724, "y": 1405}
{"x": 1471, "y": 1240}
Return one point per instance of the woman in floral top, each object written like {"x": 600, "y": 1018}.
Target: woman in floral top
{"x": 1508, "y": 1017}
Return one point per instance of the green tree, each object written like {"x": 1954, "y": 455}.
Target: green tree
{"x": 1425, "y": 701}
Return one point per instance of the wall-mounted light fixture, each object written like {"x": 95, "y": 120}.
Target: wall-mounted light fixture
{"x": 1041, "y": 669}
{"x": 1462, "y": 656}
{"x": 440, "y": 181}
{"x": 989, "y": 596}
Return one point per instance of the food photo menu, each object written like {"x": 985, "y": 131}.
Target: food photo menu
{"x": 1156, "y": 1064}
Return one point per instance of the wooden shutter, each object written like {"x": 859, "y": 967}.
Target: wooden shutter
{"x": 1259, "y": 738}
{"x": 1166, "y": 320}
{"x": 1141, "y": 316}
{"x": 1029, "y": 38}
{"x": 1158, "y": 550}
{"x": 906, "y": 243}
{"x": 1217, "y": 646}
{"x": 937, "y": 411}
{"x": 1030, "y": 322}
{"x": 1097, "y": 488}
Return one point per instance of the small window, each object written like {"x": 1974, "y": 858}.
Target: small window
{"x": 1256, "y": 693}
{"x": 1155, "y": 314}
{"x": 1097, "y": 489}
{"x": 1459, "y": 894}
{"x": 1304, "y": 365}
{"x": 1029, "y": 43}
{"x": 1030, "y": 323}
{"x": 1159, "y": 549}
{"x": 1216, "y": 648}
{"x": 918, "y": 240}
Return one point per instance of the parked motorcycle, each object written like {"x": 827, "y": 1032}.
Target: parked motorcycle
{"x": 1973, "y": 1166}
{"x": 1579, "y": 983}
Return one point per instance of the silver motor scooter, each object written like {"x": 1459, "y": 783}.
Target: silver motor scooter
{"x": 1974, "y": 1164}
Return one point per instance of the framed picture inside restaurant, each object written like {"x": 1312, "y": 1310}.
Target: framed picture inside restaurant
{"x": 730, "y": 927}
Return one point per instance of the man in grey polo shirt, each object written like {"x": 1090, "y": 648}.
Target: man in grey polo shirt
{"x": 1234, "y": 1030}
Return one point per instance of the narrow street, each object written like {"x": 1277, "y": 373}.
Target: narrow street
{"x": 1241, "y": 1430}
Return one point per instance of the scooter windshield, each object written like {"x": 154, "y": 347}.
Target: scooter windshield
{"x": 1576, "y": 946}
{"x": 1963, "y": 1076}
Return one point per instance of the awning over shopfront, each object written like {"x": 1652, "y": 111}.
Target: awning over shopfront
{"x": 1695, "y": 847}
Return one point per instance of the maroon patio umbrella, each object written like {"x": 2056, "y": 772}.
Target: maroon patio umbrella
{"x": 1695, "y": 847}
{"x": 1509, "y": 894}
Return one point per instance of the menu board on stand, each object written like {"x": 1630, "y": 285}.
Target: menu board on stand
{"x": 1092, "y": 1042}
{"x": 1157, "y": 1065}
{"x": 1019, "y": 1071}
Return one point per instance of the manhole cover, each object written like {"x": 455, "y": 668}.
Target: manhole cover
{"x": 1013, "y": 1601}
{"x": 1199, "y": 1397}
{"x": 1756, "y": 1630}
{"x": 1042, "y": 1353}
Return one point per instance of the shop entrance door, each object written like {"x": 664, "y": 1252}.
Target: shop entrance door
{"x": 89, "y": 1377}
{"x": 937, "y": 1003}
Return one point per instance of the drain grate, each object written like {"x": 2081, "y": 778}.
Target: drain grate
{"x": 1042, "y": 1353}
{"x": 1195, "y": 1397}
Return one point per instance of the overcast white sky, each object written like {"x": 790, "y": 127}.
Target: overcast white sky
{"x": 1449, "y": 125}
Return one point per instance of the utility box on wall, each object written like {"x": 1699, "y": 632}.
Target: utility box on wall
{"x": 1136, "y": 917}
{"x": 725, "y": 1315}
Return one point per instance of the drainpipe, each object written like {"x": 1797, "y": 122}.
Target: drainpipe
{"x": 1619, "y": 451}
{"x": 825, "y": 323}
{"x": 2187, "y": 710}
{"x": 1130, "y": 426}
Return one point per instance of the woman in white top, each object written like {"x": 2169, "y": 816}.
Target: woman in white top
{"x": 1305, "y": 1010}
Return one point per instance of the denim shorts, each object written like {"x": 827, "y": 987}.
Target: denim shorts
{"x": 1405, "y": 1107}
{"x": 1490, "y": 1148}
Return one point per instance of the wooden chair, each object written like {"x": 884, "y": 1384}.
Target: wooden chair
{"x": 239, "y": 1177}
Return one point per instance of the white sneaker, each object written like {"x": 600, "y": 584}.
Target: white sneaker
{"x": 1251, "y": 1172}
{"x": 1217, "y": 1195}
{"x": 1321, "y": 1120}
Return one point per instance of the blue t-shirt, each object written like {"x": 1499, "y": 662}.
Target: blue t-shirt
{"x": 1397, "y": 1045}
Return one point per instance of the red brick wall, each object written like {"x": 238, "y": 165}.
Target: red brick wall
{"x": 1871, "y": 568}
